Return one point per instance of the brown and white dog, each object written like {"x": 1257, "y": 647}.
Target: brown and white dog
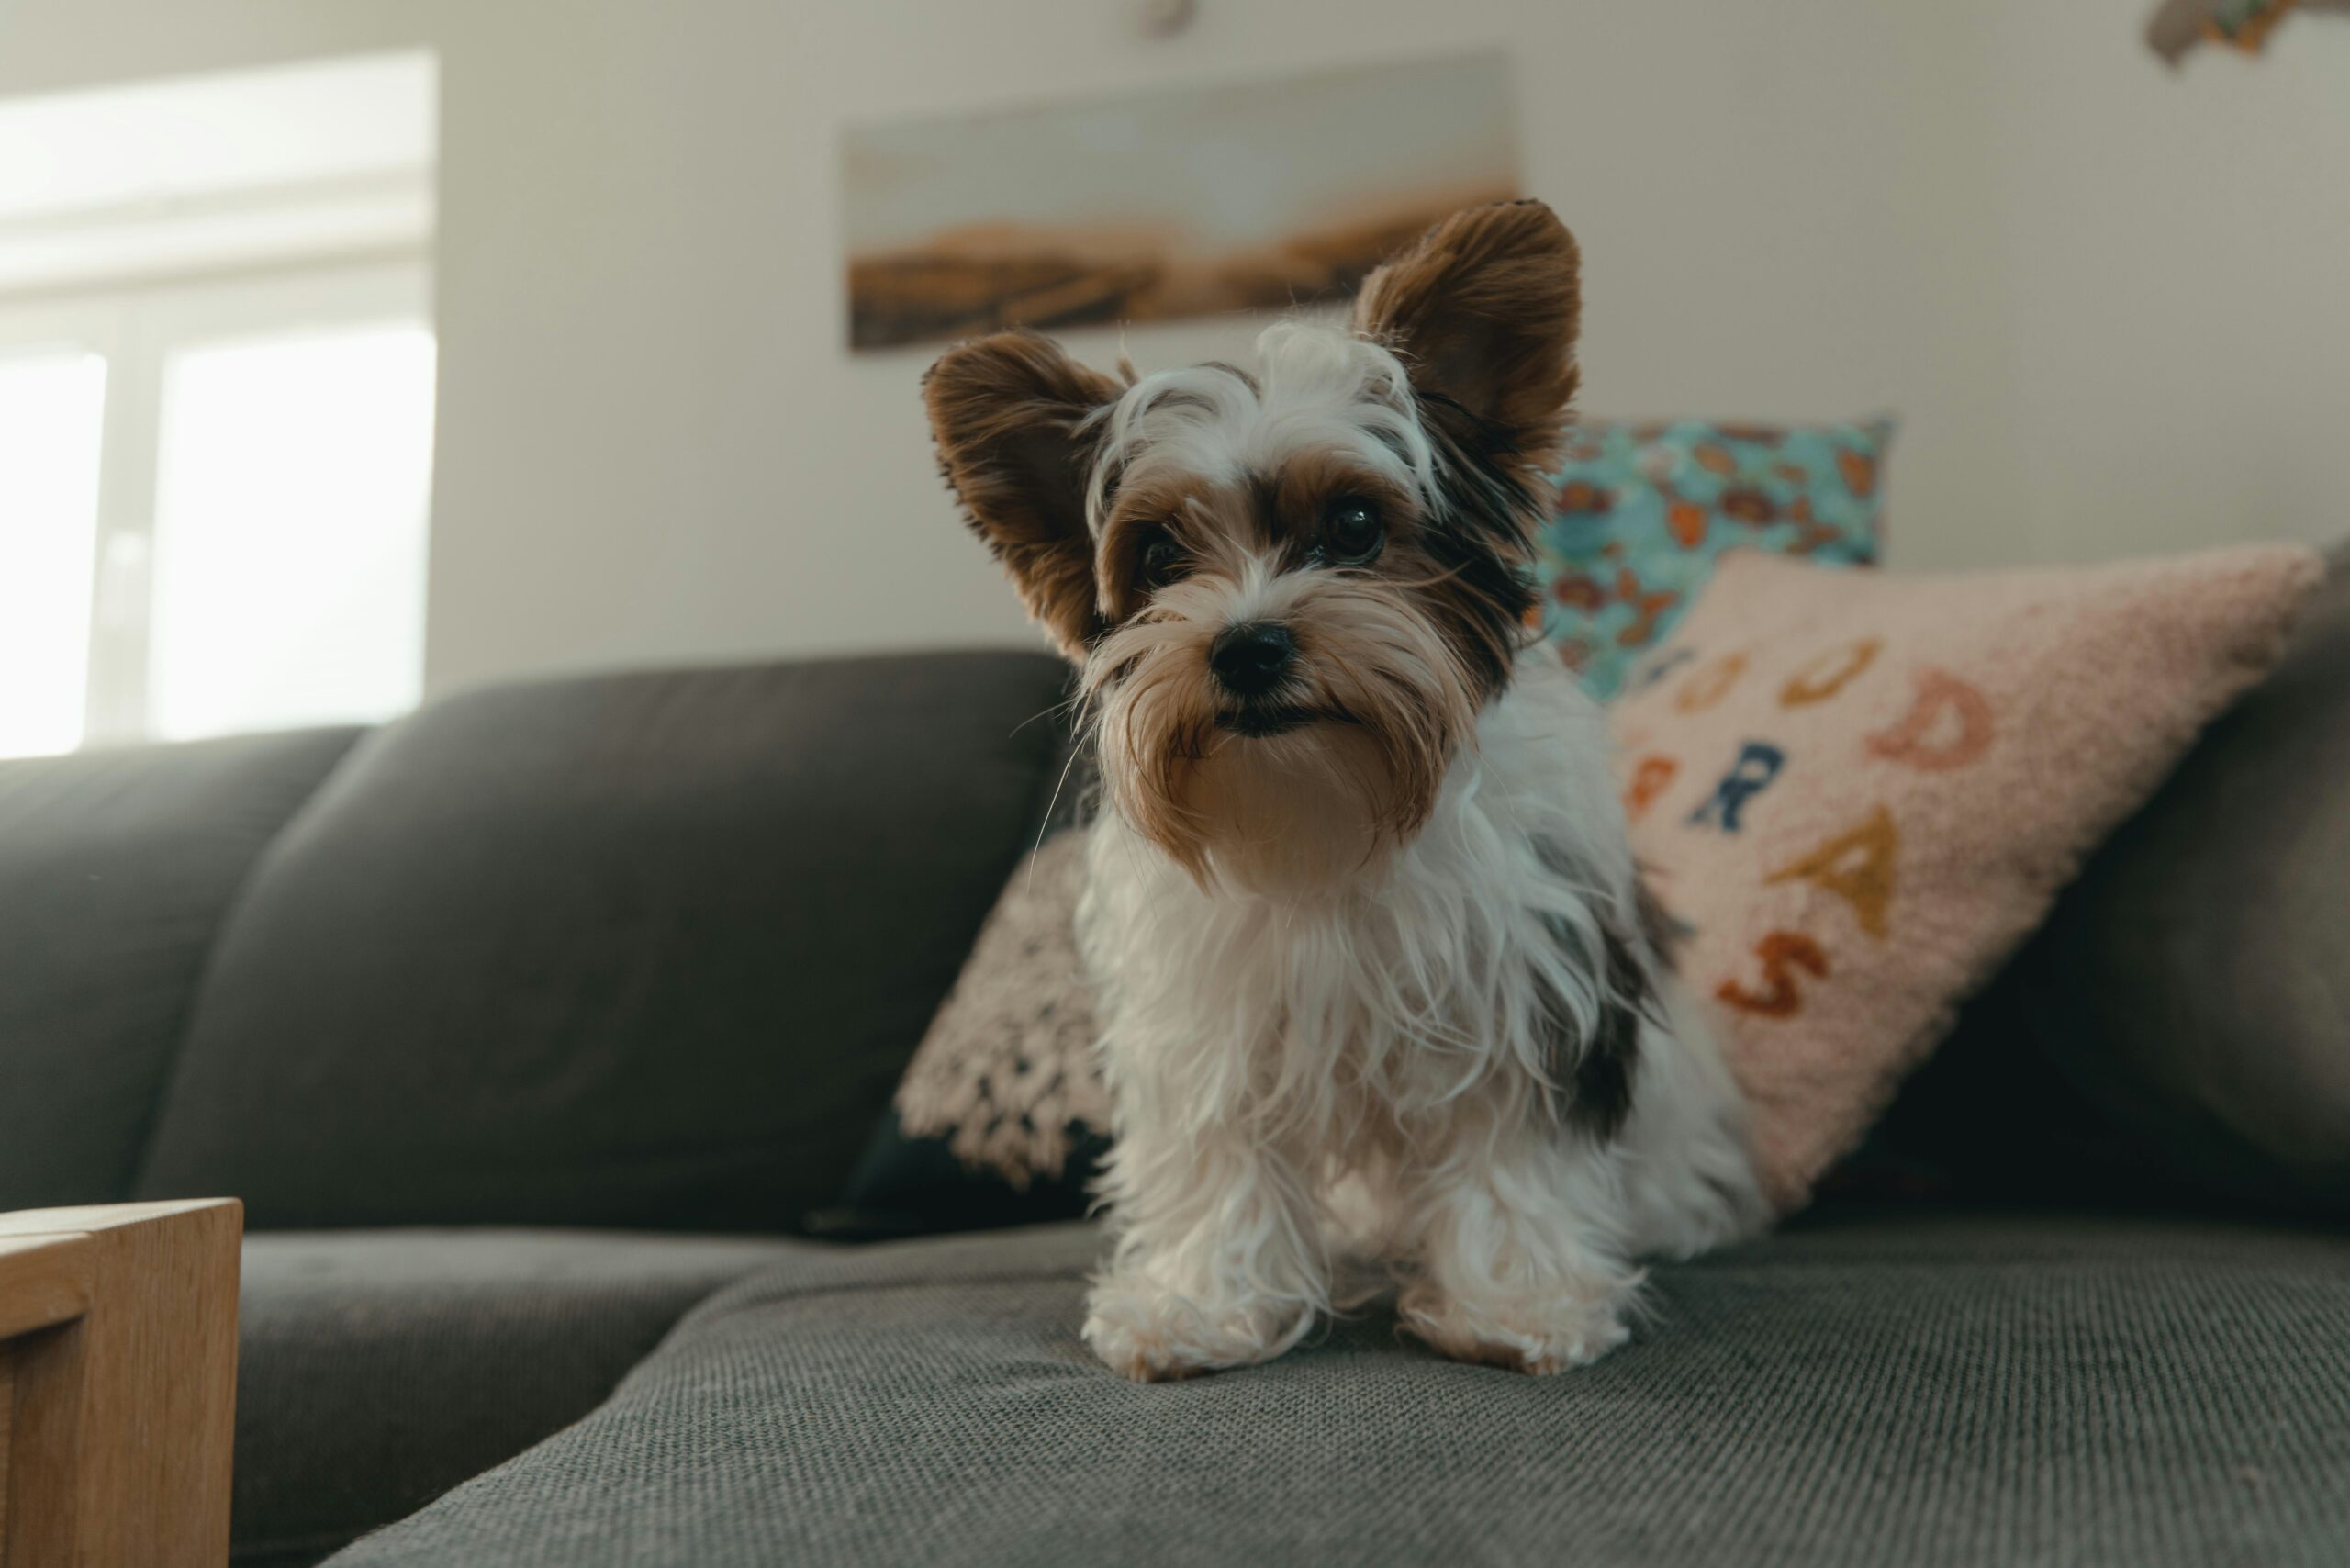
{"x": 1374, "y": 967}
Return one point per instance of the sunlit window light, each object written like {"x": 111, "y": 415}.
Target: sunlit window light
{"x": 290, "y": 528}
{"x": 52, "y": 412}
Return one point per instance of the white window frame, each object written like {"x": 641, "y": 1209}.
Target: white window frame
{"x": 136, "y": 329}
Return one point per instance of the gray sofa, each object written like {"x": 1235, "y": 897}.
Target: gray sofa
{"x": 534, "y": 1029}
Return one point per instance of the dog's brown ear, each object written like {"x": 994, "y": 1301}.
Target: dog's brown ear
{"x": 1005, "y": 412}
{"x": 1484, "y": 309}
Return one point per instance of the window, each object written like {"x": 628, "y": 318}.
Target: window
{"x": 215, "y": 404}
{"x": 52, "y": 400}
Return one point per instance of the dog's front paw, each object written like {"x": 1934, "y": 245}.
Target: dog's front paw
{"x": 1145, "y": 1331}
{"x": 1538, "y": 1335}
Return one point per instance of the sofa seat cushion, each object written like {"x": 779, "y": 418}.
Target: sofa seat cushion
{"x": 1911, "y": 1389}
{"x": 375, "y": 1370}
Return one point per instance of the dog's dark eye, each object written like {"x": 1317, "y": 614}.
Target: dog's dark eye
{"x": 1352, "y": 531}
{"x": 1162, "y": 561}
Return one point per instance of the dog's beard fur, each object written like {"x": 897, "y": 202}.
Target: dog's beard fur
{"x": 1311, "y": 807}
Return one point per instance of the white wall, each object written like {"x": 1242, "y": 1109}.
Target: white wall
{"x": 2177, "y": 249}
{"x": 656, "y": 447}
{"x": 653, "y": 446}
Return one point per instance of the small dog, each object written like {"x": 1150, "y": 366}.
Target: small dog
{"x": 1377, "y": 975}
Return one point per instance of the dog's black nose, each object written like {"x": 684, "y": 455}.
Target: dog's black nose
{"x": 1251, "y": 658}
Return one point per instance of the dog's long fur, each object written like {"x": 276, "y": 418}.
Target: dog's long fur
{"x": 1377, "y": 977}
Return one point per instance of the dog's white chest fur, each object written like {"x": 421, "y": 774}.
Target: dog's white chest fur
{"x": 1411, "y": 983}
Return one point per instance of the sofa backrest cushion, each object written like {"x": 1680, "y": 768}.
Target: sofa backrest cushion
{"x": 2194, "y": 984}
{"x": 638, "y": 950}
{"x": 115, "y": 870}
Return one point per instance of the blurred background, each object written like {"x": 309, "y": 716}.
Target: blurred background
{"x": 355, "y": 352}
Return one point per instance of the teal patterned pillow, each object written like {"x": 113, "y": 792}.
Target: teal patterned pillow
{"x": 1642, "y": 509}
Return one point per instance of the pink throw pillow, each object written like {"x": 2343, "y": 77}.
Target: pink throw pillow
{"x": 1857, "y": 793}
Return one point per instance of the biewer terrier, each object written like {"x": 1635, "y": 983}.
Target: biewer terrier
{"x": 1377, "y": 977}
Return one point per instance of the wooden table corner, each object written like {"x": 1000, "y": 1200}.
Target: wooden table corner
{"x": 118, "y": 1384}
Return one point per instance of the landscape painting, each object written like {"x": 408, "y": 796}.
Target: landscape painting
{"x": 1157, "y": 205}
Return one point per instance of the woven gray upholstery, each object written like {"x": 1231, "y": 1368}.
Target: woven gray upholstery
{"x": 377, "y": 1369}
{"x": 1915, "y": 1391}
{"x": 639, "y": 950}
{"x": 115, "y": 870}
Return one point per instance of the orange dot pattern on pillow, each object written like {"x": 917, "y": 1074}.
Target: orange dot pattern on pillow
{"x": 1857, "y": 793}
{"x": 1641, "y": 511}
